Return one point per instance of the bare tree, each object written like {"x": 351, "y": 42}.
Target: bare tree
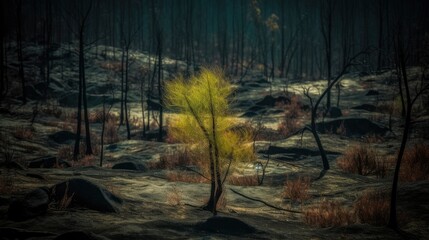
{"x": 421, "y": 88}
{"x": 18, "y": 4}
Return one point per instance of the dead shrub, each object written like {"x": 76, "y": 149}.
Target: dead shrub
{"x": 114, "y": 66}
{"x": 65, "y": 152}
{"x": 23, "y": 133}
{"x": 111, "y": 132}
{"x": 360, "y": 159}
{"x": 373, "y": 207}
{"x": 415, "y": 164}
{"x": 246, "y": 180}
{"x": 297, "y": 190}
{"x": 174, "y": 196}
{"x": 174, "y": 159}
{"x": 182, "y": 176}
{"x": 329, "y": 214}
{"x": 288, "y": 126}
{"x": 7, "y": 183}
{"x": 51, "y": 108}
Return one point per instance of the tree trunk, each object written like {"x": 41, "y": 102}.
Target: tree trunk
{"x": 19, "y": 49}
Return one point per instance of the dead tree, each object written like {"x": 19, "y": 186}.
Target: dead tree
{"x": 421, "y": 88}
{"x": 315, "y": 106}
{"x": 18, "y": 4}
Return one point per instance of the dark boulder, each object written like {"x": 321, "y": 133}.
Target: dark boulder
{"x": 63, "y": 137}
{"x": 226, "y": 225}
{"x": 335, "y": 112}
{"x": 356, "y": 127}
{"x": 129, "y": 166}
{"x": 47, "y": 162}
{"x": 293, "y": 152}
{"x": 81, "y": 235}
{"x": 86, "y": 194}
{"x": 34, "y": 203}
{"x": 249, "y": 114}
{"x": 372, "y": 93}
{"x": 271, "y": 101}
{"x": 12, "y": 165}
{"x": 16, "y": 233}
{"x": 366, "y": 107}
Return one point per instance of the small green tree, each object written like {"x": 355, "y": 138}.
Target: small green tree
{"x": 202, "y": 103}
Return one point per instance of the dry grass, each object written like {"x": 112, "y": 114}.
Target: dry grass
{"x": 415, "y": 164}
{"x": 111, "y": 132}
{"x": 182, "y": 176}
{"x": 174, "y": 196}
{"x": 329, "y": 214}
{"x": 174, "y": 159}
{"x": 297, "y": 190}
{"x": 7, "y": 183}
{"x": 23, "y": 133}
{"x": 360, "y": 159}
{"x": 51, "y": 108}
{"x": 373, "y": 207}
{"x": 114, "y": 66}
{"x": 293, "y": 112}
{"x": 246, "y": 180}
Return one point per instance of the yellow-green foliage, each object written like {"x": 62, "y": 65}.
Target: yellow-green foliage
{"x": 197, "y": 101}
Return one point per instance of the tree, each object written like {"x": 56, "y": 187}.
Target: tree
{"x": 409, "y": 100}
{"x": 202, "y": 102}
{"x": 326, "y": 27}
{"x": 19, "y": 48}
{"x": 82, "y": 20}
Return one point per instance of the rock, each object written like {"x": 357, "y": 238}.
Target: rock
{"x": 129, "y": 166}
{"x": 226, "y": 225}
{"x": 4, "y": 201}
{"x": 34, "y": 203}
{"x": 271, "y": 101}
{"x": 335, "y": 112}
{"x": 357, "y": 127}
{"x": 15, "y": 233}
{"x": 48, "y": 162}
{"x": 366, "y": 107}
{"x": 87, "y": 194}
{"x": 62, "y": 137}
{"x": 249, "y": 114}
{"x": 293, "y": 152}
{"x": 372, "y": 93}
{"x": 81, "y": 235}
{"x": 12, "y": 165}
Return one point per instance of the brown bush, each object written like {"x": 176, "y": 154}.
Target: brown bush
{"x": 114, "y": 66}
{"x": 415, "y": 164}
{"x": 174, "y": 196}
{"x": 111, "y": 132}
{"x": 174, "y": 159}
{"x": 297, "y": 190}
{"x": 23, "y": 133}
{"x": 360, "y": 159}
{"x": 182, "y": 176}
{"x": 65, "y": 152}
{"x": 329, "y": 214}
{"x": 246, "y": 180}
{"x": 288, "y": 126}
{"x": 7, "y": 183}
{"x": 373, "y": 207}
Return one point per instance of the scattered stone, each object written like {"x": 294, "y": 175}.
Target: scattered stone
{"x": 129, "y": 166}
{"x": 356, "y": 127}
{"x": 63, "y": 137}
{"x": 226, "y": 225}
{"x": 48, "y": 162}
{"x": 34, "y": 203}
{"x": 87, "y": 194}
{"x": 366, "y": 107}
{"x": 372, "y": 93}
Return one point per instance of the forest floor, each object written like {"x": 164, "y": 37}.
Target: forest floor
{"x": 159, "y": 204}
